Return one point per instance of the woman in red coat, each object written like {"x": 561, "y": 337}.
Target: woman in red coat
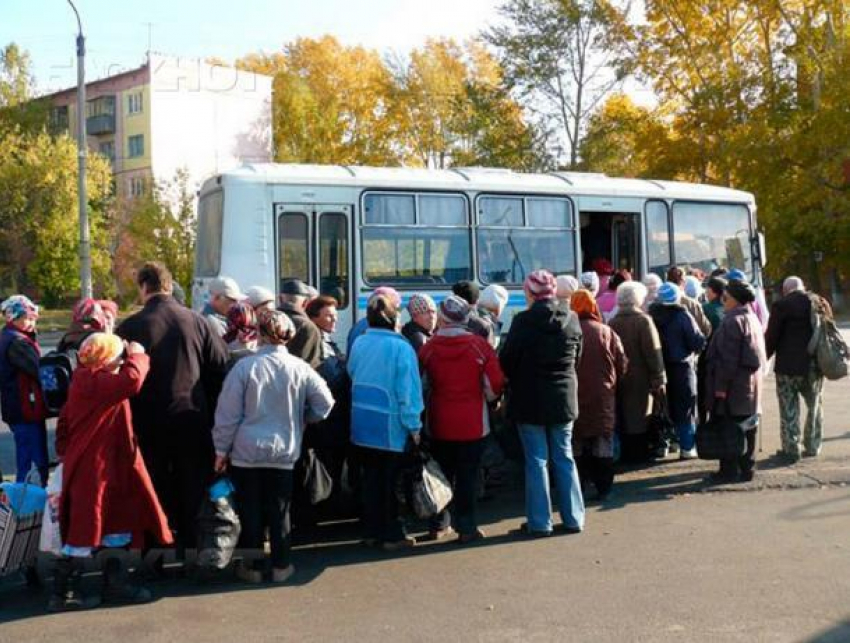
{"x": 107, "y": 498}
{"x": 461, "y": 373}
{"x": 603, "y": 362}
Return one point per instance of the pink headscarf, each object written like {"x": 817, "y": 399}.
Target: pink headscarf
{"x": 541, "y": 285}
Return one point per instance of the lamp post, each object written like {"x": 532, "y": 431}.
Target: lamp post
{"x": 82, "y": 148}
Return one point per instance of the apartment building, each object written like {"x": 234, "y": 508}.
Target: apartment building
{"x": 170, "y": 114}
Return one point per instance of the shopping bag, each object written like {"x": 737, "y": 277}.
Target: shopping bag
{"x": 21, "y": 507}
{"x": 218, "y": 526}
{"x": 430, "y": 492}
{"x": 315, "y": 478}
{"x": 827, "y": 347}
{"x": 660, "y": 429}
{"x": 51, "y": 537}
{"x": 721, "y": 438}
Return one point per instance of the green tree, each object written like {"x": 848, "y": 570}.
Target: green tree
{"x": 559, "y": 56}
{"x": 17, "y": 91}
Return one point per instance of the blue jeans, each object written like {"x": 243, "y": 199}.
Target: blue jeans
{"x": 542, "y": 444}
{"x": 30, "y": 449}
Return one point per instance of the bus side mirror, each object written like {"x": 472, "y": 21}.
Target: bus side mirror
{"x": 762, "y": 249}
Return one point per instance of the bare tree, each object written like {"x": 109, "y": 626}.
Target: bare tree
{"x": 560, "y": 56}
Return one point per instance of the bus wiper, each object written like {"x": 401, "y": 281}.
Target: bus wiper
{"x": 516, "y": 260}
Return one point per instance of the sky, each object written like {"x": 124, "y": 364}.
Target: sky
{"x": 119, "y": 32}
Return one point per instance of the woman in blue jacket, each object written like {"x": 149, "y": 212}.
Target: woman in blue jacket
{"x": 681, "y": 342}
{"x": 386, "y": 409}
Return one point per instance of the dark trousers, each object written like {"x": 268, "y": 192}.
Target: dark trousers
{"x": 263, "y": 496}
{"x": 380, "y": 504}
{"x": 745, "y": 465}
{"x": 179, "y": 460}
{"x": 599, "y": 471}
{"x": 634, "y": 448}
{"x": 461, "y": 464}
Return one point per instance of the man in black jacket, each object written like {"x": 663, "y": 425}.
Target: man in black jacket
{"x": 173, "y": 413}
{"x": 539, "y": 358}
{"x": 789, "y": 332}
{"x": 307, "y": 343}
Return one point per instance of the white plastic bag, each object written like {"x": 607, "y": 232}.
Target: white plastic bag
{"x": 51, "y": 538}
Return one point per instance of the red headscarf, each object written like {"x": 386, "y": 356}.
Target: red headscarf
{"x": 601, "y": 266}
{"x": 241, "y": 323}
{"x": 88, "y": 315}
{"x": 584, "y": 305}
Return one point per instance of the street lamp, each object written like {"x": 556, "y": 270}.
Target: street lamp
{"x": 82, "y": 147}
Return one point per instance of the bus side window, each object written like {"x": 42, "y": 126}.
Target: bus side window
{"x": 292, "y": 243}
{"x": 333, "y": 257}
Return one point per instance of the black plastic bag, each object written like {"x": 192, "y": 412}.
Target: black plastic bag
{"x": 423, "y": 486}
{"x": 721, "y": 438}
{"x": 218, "y": 528}
{"x": 660, "y": 429}
{"x": 315, "y": 479}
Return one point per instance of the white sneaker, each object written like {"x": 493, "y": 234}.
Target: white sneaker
{"x": 688, "y": 454}
{"x": 282, "y": 575}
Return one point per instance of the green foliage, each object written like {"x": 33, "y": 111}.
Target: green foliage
{"x": 17, "y": 109}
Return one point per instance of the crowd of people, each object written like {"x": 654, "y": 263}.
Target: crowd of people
{"x": 256, "y": 388}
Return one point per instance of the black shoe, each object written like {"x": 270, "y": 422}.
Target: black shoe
{"x": 532, "y": 533}
{"x": 66, "y": 595}
{"x": 118, "y": 589}
{"x": 722, "y": 477}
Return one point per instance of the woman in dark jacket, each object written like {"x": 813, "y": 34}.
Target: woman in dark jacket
{"x": 603, "y": 362}
{"x": 539, "y": 358}
{"x": 736, "y": 362}
{"x": 681, "y": 341}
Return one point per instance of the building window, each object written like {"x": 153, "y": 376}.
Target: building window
{"x": 136, "y": 187}
{"x": 134, "y": 103}
{"x": 58, "y": 119}
{"x": 107, "y": 149}
{"x": 136, "y": 146}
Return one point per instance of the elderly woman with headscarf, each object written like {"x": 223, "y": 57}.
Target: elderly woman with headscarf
{"x": 241, "y": 335}
{"x": 653, "y": 283}
{"x": 87, "y": 317}
{"x": 386, "y": 416}
{"x": 423, "y": 320}
{"x": 566, "y": 286}
{"x": 539, "y": 358}
{"x": 259, "y": 427}
{"x": 20, "y": 391}
{"x": 461, "y": 374}
{"x": 645, "y": 377}
{"x": 735, "y": 370}
{"x": 589, "y": 281}
{"x": 491, "y": 305}
{"x": 602, "y": 364}
{"x": 107, "y": 497}
{"x": 681, "y": 342}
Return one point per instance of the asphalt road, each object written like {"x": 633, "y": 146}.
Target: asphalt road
{"x": 670, "y": 559}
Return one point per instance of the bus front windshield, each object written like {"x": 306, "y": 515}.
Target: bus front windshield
{"x": 707, "y": 236}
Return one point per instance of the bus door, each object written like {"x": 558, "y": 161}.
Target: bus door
{"x": 612, "y": 236}
{"x": 314, "y": 245}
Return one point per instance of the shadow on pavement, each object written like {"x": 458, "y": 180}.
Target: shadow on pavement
{"x": 838, "y": 634}
{"x": 819, "y": 510}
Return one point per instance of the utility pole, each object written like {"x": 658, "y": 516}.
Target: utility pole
{"x": 82, "y": 151}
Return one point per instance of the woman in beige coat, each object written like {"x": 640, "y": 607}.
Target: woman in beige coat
{"x": 645, "y": 376}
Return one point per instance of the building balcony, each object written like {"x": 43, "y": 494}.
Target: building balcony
{"x": 100, "y": 124}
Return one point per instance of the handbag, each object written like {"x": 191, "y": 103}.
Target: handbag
{"x": 721, "y": 437}
{"x": 316, "y": 480}
{"x": 660, "y": 429}
{"x": 827, "y": 347}
{"x": 219, "y": 527}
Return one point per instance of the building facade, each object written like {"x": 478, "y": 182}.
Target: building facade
{"x": 172, "y": 114}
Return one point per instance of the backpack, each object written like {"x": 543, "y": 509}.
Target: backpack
{"x": 827, "y": 346}
{"x": 55, "y": 370}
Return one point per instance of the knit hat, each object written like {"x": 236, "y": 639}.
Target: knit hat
{"x": 18, "y": 306}
{"x": 494, "y": 297}
{"x": 737, "y": 275}
{"x": 540, "y": 284}
{"x": 88, "y": 315}
{"x": 669, "y": 294}
{"x": 740, "y": 291}
{"x": 584, "y": 305}
{"x": 274, "y": 326}
{"x": 99, "y": 350}
{"x": 589, "y": 281}
{"x": 420, "y": 304}
{"x": 259, "y": 296}
{"x": 566, "y": 286}
{"x": 454, "y": 311}
{"x": 631, "y": 294}
{"x": 388, "y": 292}
{"x": 693, "y": 287}
{"x": 601, "y": 266}
{"x": 241, "y": 323}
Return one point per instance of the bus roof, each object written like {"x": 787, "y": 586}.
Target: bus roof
{"x": 477, "y": 179}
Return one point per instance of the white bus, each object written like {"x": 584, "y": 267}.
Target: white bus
{"x": 346, "y": 230}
